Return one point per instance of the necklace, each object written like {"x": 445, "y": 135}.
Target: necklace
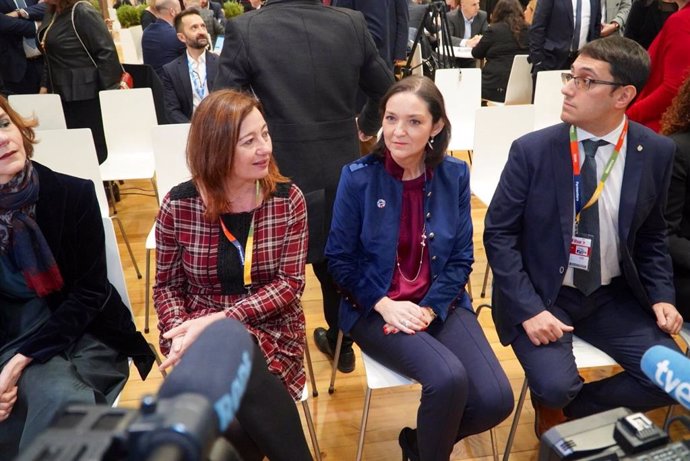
{"x": 422, "y": 243}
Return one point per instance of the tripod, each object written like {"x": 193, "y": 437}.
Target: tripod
{"x": 444, "y": 57}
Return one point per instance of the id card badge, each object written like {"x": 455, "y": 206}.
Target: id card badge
{"x": 580, "y": 252}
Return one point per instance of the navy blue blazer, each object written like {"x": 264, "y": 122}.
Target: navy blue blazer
{"x": 160, "y": 45}
{"x": 179, "y": 103}
{"x": 364, "y": 236}
{"x": 552, "y": 29}
{"x": 529, "y": 224}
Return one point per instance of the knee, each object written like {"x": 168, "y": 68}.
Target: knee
{"x": 449, "y": 383}
{"x": 494, "y": 403}
{"x": 554, "y": 391}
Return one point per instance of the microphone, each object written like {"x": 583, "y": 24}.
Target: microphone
{"x": 198, "y": 399}
{"x": 670, "y": 371}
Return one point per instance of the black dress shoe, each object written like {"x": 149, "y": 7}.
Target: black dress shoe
{"x": 408, "y": 444}
{"x": 346, "y": 362}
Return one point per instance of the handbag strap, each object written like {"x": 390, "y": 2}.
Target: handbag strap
{"x": 74, "y": 27}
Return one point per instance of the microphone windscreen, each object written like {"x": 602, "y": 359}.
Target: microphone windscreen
{"x": 216, "y": 366}
{"x": 669, "y": 370}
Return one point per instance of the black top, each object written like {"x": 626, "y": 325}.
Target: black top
{"x": 646, "y": 20}
{"x": 230, "y": 268}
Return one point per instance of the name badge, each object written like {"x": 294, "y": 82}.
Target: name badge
{"x": 580, "y": 252}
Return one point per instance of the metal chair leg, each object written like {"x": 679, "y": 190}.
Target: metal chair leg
{"x": 310, "y": 370}
{"x": 469, "y": 289}
{"x": 111, "y": 195}
{"x": 147, "y": 292}
{"x": 338, "y": 346}
{"x": 363, "y": 425}
{"x": 486, "y": 280}
{"x": 312, "y": 430}
{"x": 494, "y": 446}
{"x": 516, "y": 420}
{"x": 158, "y": 359}
{"x": 129, "y": 248}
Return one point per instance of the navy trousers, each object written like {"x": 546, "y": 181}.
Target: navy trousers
{"x": 464, "y": 388}
{"x": 612, "y": 320}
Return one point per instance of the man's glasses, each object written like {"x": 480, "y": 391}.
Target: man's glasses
{"x": 584, "y": 83}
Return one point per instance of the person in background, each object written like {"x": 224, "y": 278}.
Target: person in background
{"x": 148, "y": 16}
{"x": 213, "y": 27}
{"x": 505, "y": 38}
{"x": 675, "y": 123}
{"x": 670, "y": 67}
{"x": 400, "y": 250}
{"x": 65, "y": 334}
{"x": 159, "y": 42}
{"x": 529, "y": 11}
{"x": 232, "y": 242}
{"x": 646, "y": 19}
{"x": 468, "y": 23}
{"x": 614, "y": 16}
{"x": 80, "y": 61}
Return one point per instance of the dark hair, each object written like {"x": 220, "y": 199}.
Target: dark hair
{"x": 25, "y": 126}
{"x": 676, "y": 119}
{"x": 213, "y": 137}
{"x": 61, "y": 5}
{"x": 187, "y": 12}
{"x": 425, "y": 89}
{"x": 510, "y": 12}
{"x": 628, "y": 60}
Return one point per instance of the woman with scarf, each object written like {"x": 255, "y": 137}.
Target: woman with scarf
{"x": 65, "y": 334}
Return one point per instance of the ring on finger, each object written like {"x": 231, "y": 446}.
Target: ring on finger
{"x": 404, "y": 323}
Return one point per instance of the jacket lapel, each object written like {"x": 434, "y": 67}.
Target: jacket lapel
{"x": 183, "y": 71}
{"x": 211, "y": 61}
{"x": 634, "y": 162}
{"x": 50, "y": 214}
{"x": 563, "y": 182}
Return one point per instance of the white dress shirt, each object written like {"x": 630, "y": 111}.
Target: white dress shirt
{"x": 197, "y": 75}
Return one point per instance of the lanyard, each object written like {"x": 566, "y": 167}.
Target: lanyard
{"x": 199, "y": 87}
{"x": 577, "y": 180}
{"x": 246, "y": 253}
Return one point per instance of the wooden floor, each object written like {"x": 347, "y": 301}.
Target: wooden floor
{"x": 337, "y": 417}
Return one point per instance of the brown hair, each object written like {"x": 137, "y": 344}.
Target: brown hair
{"x": 426, "y": 90}
{"x": 676, "y": 119}
{"x": 177, "y": 22}
{"x": 510, "y": 12}
{"x": 25, "y": 126}
{"x": 211, "y": 146}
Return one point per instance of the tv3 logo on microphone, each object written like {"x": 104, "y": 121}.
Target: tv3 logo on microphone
{"x": 676, "y": 388}
{"x": 226, "y": 406}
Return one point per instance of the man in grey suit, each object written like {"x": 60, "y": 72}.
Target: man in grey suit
{"x": 306, "y": 62}
{"x": 614, "y": 16}
{"x": 188, "y": 79}
{"x": 467, "y": 23}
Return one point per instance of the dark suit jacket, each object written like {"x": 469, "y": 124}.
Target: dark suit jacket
{"x": 306, "y": 62}
{"x": 178, "y": 87}
{"x": 456, "y": 23}
{"x": 499, "y": 47}
{"x": 529, "y": 224}
{"x": 12, "y": 33}
{"x": 552, "y": 29}
{"x": 160, "y": 45}
{"x": 678, "y": 216}
{"x": 69, "y": 217}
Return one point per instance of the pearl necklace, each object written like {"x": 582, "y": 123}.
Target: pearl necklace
{"x": 422, "y": 243}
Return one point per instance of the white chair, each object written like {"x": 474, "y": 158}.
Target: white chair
{"x": 462, "y": 94}
{"x": 519, "y": 88}
{"x": 129, "y": 50}
{"x": 47, "y": 108}
{"x": 128, "y": 117}
{"x": 548, "y": 99}
{"x": 73, "y": 152}
{"x": 137, "y": 32}
{"x": 417, "y": 63}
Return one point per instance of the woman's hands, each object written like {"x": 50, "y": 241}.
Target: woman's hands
{"x": 403, "y": 316}
{"x": 184, "y": 335}
{"x": 9, "y": 376}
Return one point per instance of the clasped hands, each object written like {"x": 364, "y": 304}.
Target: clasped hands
{"x": 403, "y": 316}
{"x": 184, "y": 335}
{"x": 545, "y": 328}
{"x": 9, "y": 376}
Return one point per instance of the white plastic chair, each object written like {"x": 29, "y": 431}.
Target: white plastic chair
{"x": 47, "y": 108}
{"x": 128, "y": 117}
{"x": 519, "y": 88}
{"x": 548, "y": 99}
{"x": 129, "y": 50}
{"x": 462, "y": 94}
{"x": 73, "y": 152}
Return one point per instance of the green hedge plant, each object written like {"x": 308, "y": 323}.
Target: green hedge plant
{"x": 232, "y": 9}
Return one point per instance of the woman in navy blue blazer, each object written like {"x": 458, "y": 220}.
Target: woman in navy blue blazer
{"x": 400, "y": 250}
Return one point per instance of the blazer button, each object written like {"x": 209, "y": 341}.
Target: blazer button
{"x": 433, "y": 258}
{"x": 548, "y": 302}
{"x": 561, "y": 270}
{"x": 435, "y": 277}
{"x": 431, "y": 236}
{"x": 428, "y": 194}
{"x": 428, "y": 215}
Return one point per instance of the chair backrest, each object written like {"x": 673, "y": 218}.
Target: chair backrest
{"x": 416, "y": 63}
{"x": 113, "y": 261}
{"x": 462, "y": 93}
{"x": 169, "y": 147}
{"x": 72, "y": 152}
{"x": 548, "y": 99}
{"x": 137, "y": 32}
{"x": 519, "y": 89}
{"x": 128, "y": 117}
{"x": 496, "y": 129}
{"x": 380, "y": 376}
{"x": 47, "y": 108}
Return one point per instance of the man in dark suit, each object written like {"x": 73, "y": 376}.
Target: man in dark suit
{"x": 21, "y": 63}
{"x": 159, "y": 43}
{"x": 189, "y": 79}
{"x": 306, "y": 62}
{"x": 594, "y": 264}
{"x": 557, "y": 32}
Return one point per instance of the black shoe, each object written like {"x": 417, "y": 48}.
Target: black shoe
{"x": 408, "y": 444}
{"x": 346, "y": 362}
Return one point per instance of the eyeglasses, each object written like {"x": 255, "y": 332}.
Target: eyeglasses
{"x": 583, "y": 83}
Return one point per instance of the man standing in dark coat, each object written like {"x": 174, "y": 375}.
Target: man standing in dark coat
{"x": 306, "y": 62}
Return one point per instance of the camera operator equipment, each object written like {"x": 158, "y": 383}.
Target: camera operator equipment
{"x": 443, "y": 57}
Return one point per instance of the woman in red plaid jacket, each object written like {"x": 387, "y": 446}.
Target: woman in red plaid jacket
{"x": 232, "y": 242}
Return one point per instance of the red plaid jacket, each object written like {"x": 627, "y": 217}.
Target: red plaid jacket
{"x": 187, "y": 284}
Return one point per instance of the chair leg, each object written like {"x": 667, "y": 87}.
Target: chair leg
{"x": 516, "y": 420}
{"x": 111, "y": 195}
{"x": 147, "y": 293}
{"x": 486, "y": 280}
{"x": 155, "y": 190}
{"x": 129, "y": 248}
{"x": 312, "y": 430}
{"x": 338, "y": 346}
{"x": 310, "y": 369}
{"x": 494, "y": 446}
{"x": 157, "y": 357}
{"x": 363, "y": 425}
{"x": 667, "y": 419}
